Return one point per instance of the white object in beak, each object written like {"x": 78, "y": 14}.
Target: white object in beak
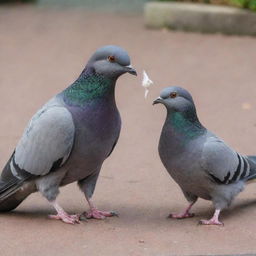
{"x": 146, "y": 83}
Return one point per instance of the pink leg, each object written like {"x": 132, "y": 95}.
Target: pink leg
{"x": 214, "y": 220}
{"x": 62, "y": 215}
{"x": 184, "y": 214}
{"x": 94, "y": 213}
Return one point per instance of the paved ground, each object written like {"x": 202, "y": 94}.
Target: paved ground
{"x": 42, "y": 51}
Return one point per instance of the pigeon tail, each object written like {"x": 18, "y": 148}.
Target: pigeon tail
{"x": 12, "y": 190}
{"x": 252, "y": 177}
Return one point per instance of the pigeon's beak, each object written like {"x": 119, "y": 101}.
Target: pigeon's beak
{"x": 131, "y": 70}
{"x": 158, "y": 100}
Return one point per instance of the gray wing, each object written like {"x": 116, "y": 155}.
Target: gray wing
{"x": 223, "y": 164}
{"x": 46, "y": 142}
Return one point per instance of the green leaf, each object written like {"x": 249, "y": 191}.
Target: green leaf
{"x": 238, "y": 3}
{"x": 252, "y": 5}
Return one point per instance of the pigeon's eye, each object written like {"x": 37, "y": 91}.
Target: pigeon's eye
{"x": 173, "y": 95}
{"x": 111, "y": 58}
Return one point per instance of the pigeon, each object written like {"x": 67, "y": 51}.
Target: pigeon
{"x": 202, "y": 164}
{"x": 69, "y": 138}
{"x": 146, "y": 83}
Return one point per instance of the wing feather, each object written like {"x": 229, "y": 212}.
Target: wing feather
{"x": 223, "y": 164}
{"x": 47, "y": 139}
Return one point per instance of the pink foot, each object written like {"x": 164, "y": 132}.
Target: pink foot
{"x": 181, "y": 215}
{"x": 184, "y": 214}
{"x": 214, "y": 220}
{"x": 99, "y": 215}
{"x": 211, "y": 222}
{"x": 70, "y": 219}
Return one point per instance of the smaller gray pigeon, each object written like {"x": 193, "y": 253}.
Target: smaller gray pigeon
{"x": 203, "y": 165}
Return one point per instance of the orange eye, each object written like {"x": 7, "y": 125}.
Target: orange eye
{"x": 173, "y": 95}
{"x": 111, "y": 58}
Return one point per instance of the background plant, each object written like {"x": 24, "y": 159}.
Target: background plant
{"x": 249, "y": 4}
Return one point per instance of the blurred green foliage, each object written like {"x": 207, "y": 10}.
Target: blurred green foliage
{"x": 252, "y": 5}
{"x": 248, "y": 4}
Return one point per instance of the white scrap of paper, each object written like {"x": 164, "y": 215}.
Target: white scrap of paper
{"x": 146, "y": 83}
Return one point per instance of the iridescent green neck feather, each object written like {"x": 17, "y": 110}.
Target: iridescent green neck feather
{"x": 189, "y": 127}
{"x": 87, "y": 88}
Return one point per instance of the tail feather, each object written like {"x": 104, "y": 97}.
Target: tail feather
{"x": 6, "y": 186}
{"x": 14, "y": 196}
{"x": 13, "y": 190}
{"x": 252, "y": 177}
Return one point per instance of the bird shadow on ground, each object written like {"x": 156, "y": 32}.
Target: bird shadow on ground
{"x": 144, "y": 215}
{"x": 238, "y": 208}
{"x": 27, "y": 214}
{"x": 127, "y": 214}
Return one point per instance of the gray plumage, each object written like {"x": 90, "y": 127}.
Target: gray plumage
{"x": 51, "y": 128}
{"x": 68, "y": 139}
{"x": 201, "y": 163}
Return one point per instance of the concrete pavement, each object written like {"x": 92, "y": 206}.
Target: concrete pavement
{"x": 43, "y": 50}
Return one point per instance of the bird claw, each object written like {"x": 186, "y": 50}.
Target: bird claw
{"x": 96, "y": 214}
{"x": 180, "y": 216}
{"x": 211, "y": 222}
{"x": 114, "y": 214}
{"x": 69, "y": 219}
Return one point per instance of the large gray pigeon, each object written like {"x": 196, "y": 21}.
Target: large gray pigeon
{"x": 201, "y": 163}
{"x": 69, "y": 138}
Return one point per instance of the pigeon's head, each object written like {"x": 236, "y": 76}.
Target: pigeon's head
{"x": 176, "y": 99}
{"x": 111, "y": 61}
